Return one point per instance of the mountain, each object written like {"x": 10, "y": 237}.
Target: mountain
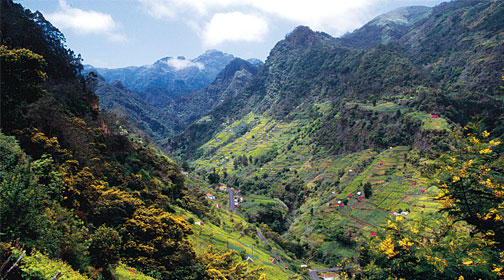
{"x": 312, "y": 67}
{"x": 169, "y": 77}
{"x": 160, "y": 123}
{"x": 327, "y": 118}
{"x": 231, "y": 80}
{"x": 82, "y": 198}
{"x": 383, "y": 160}
{"x": 386, "y": 28}
{"x": 140, "y": 116}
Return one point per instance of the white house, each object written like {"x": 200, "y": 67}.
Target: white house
{"x": 403, "y": 213}
{"x": 331, "y": 276}
{"x": 210, "y": 196}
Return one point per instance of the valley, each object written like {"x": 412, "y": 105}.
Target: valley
{"x": 374, "y": 155}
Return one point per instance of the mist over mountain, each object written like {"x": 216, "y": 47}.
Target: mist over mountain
{"x": 169, "y": 77}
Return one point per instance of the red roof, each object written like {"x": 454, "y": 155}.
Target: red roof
{"x": 435, "y": 116}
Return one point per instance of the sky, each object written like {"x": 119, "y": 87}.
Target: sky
{"x": 119, "y": 33}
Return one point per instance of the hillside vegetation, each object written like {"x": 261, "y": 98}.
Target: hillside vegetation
{"x": 326, "y": 118}
{"x": 377, "y": 155}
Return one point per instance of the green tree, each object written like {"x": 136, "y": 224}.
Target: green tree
{"x": 367, "y": 190}
{"x": 22, "y": 72}
{"x": 104, "y": 248}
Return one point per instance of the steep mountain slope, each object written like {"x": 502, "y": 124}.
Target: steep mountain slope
{"x": 309, "y": 67}
{"x": 460, "y": 44}
{"x": 161, "y": 123}
{"x": 230, "y": 81}
{"x": 79, "y": 196}
{"x": 140, "y": 115}
{"x": 305, "y": 69}
{"x": 322, "y": 119}
{"x": 169, "y": 77}
{"x": 386, "y": 28}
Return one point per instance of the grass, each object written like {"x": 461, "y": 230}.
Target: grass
{"x": 430, "y": 123}
{"x": 223, "y": 238}
{"x": 396, "y": 183}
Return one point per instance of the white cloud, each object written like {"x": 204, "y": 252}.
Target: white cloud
{"x": 85, "y": 22}
{"x": 179, "y": 64}
{"x": 211, "y": 16}
{"x": 235, "y": 26}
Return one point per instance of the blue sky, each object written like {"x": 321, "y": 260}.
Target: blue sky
{"x": 118, "y": 33}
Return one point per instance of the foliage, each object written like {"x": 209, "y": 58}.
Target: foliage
{"x": 36, "y": 265}
{"x": 367, "y": 190}
{"x": 21, "y": 74}
{"x": 156, "y": 240}
{"x": 473, "y": 184}
{"x": 430, "y": 248}
{"x": 227, "y": 266}
{"x": 123, "y": 272}
{"x": 104, "y": 247}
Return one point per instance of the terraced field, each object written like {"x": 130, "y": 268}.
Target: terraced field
{"x": 396, "y": 182}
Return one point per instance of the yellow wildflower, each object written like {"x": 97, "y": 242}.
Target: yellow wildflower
{"x": 474, "y": 140}
{"x": 498, "y": 194}
{"x": 467, "y": 262}
{"x": 461, "y": 277}
{"x": 414, "y": 230}
{"x": 392, "y": 225}
{"x": 485, "y": 151}
{"x": 456, "y": 179}
{"x": 494, "y": 143}
{"x": 399, "y": 218}
{"x": 405, "y": 243}
{"x": 387, "y": 246}
{"x": 486, "y": 133}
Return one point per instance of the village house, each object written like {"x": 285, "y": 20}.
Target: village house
{"x": 403, "y": 213}
{"x": 210, "y": 196}
{"x": 223, "y": 188}
{"x": 331, "y": 276}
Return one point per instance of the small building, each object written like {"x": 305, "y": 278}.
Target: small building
{"x": 403, "y": 213}
{"x": 198, "y": 223}
{"x": 249, "y": 259}
{"x": 239, "y": 199}
{"x": 222, "y": 188}
{"x": 304, "y": 266}
{"x": 218, "y": 206}
{"x": 210, "y": 196}
{"x": 331, "y": 276}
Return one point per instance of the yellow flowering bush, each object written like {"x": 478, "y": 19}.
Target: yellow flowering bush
{"x": 433, "y": 247}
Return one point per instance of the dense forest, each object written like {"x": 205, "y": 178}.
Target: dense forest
{"x": 378, "y": 155}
